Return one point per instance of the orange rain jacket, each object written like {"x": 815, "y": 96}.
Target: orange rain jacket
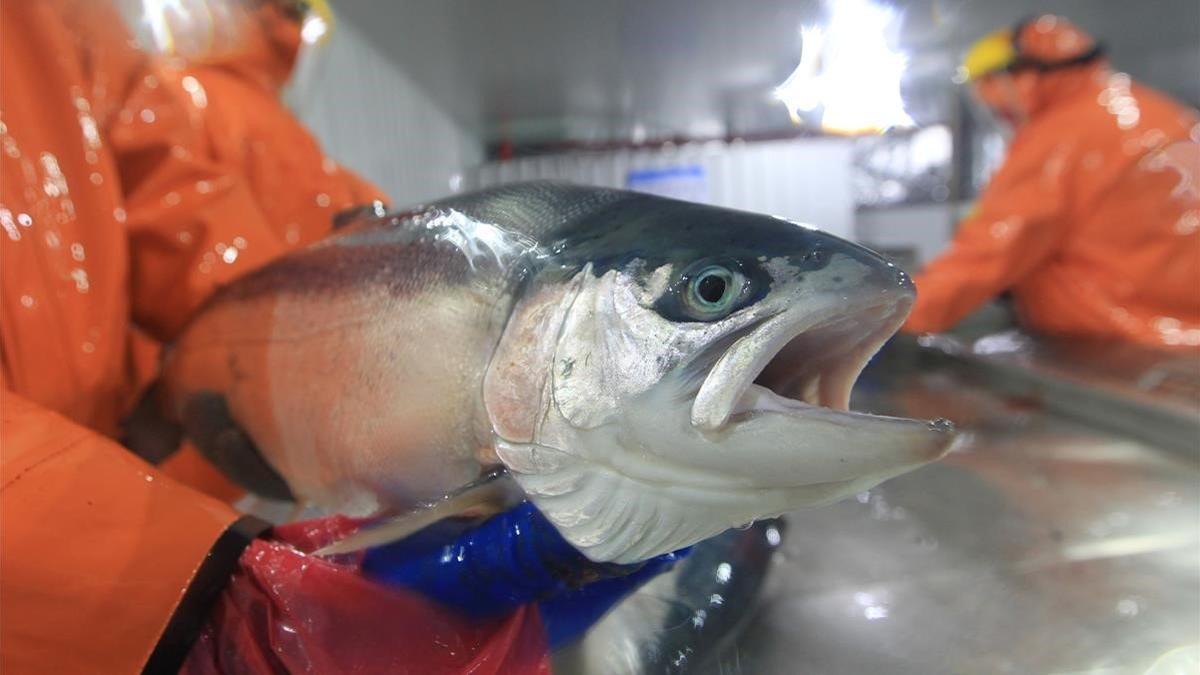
{"x": 236, "y": 101}
{"x": 114, "y": 215}
{"x": 1093, "y": 221}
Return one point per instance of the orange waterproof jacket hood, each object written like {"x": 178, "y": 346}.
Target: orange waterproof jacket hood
{"x": 237, "y": 109}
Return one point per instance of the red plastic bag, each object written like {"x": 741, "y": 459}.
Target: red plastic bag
{"x": 289, "y": 612}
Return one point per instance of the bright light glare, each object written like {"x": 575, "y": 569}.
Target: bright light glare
{"x": 848, "y": 69}
{"x": 313, "y": 30}
{"x": 156, "y": 12}
{"x": 801, "y": 90}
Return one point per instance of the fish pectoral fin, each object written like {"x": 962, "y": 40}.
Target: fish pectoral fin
{"x": 480, "y": 497}
{"x": 208, "y": 422}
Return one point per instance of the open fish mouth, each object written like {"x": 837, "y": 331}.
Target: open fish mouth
{"x": 767, "y": 431}
{"x": 795, "y": 364}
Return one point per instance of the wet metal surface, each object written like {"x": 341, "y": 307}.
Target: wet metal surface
{"x": 1134, "y": 391}
{"x": 1042, "y": 546}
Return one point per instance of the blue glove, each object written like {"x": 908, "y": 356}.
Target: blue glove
{"x": 512, "y": 559}
{"x": 569, "y": 614}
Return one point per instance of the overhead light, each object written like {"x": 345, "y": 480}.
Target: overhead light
{"x": 801, "y": 91}
{"x": 314, "y": 28}
{"x": 847, "y": 69}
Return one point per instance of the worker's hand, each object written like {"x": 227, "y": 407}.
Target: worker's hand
{"x": 512, "y": 559}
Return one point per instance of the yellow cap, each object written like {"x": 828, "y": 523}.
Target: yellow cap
{"x": 322, "y": 9}
{"x": 991, "y": 53}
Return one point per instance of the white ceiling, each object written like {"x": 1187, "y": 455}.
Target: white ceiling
{"x": 545, "y": 70}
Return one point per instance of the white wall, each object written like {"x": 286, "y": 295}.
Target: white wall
{"x": 926, "y": 229}
{"x": 923, "y": 228}
{"x": 801, "y": 179}
{"x": 370, "y": 116}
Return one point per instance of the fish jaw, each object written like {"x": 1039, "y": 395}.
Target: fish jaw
{"x": 649, "y": 482}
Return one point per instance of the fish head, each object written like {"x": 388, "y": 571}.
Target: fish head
{"x": 674, "y": 369}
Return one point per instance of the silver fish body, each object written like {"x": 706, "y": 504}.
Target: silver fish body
{"x": 651, "y": 371}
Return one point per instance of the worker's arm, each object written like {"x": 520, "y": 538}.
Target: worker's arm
{"x": 193, "y": 223}
{"x": 1015, "y": 226}
{"x": 101, "y": 552}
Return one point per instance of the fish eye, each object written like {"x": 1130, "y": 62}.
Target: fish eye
{"x": 713, "y": 291}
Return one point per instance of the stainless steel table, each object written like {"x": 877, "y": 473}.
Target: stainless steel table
{"x": 1042, "y": 546}
{"x": 1046, "y": 544}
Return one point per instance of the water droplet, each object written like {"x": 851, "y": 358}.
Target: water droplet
{"x": 119, "y": 214}
{"x": 1188, "y": 223}
{"x": 323, "y": 200}
{"x": 194, "y": 89}
{"x": 27, "y": 301}
{"x": 724, "y": 573}
{"x": 1153, "y": 138}
{"x": 941, "y": 424}
{"x": 80, "y": 277}
{"x": 96, "y": 178}
{"x": 77, "y": 252}
{"x": 875, "y": 612}
{"x": 147, "y": 115}
{"x": 1128, "y": 607}
{"x": 229, "y": 255}
{"x": 1169, "y": 498}
{"x": 88, "y": 348}
{"x": 9, "y": 225}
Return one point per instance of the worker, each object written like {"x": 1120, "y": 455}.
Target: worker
{"x": 116, "y": 225}
{"x": 231, "y": 66}
{"x": 1093, "y": 220}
